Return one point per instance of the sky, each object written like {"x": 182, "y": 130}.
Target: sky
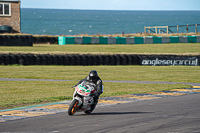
{"x": 113, "y": 4}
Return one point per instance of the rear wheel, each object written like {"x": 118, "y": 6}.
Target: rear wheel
{"x": 92, "y": 108}
{"x": 73, "y": 107}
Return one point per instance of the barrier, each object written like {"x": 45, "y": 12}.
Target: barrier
{"x": 148, "y": 40}
{"x": 62, "y": 40}
{"x": 70, "y": 40}
{"x": 90, "y": 60}
{"x": 121, "y": 40}
{"x": 16, "y": 40}
{"x": 103, "y": 40}
{"x": 78, "y": 40}
{"x": 192, "y": 39}
{"x": 174, "y": 39}
{"x": 183, "y": 39}
{"x": 165, "y": 40}
{"x": 128, "y": 40}
{"x": 28, "y": 40}
{"x": 86, "y": 40}
{"x": 112, "y": 40}
{"x": 139, "y": 40}
{"x": 198, "y": 39}
{"x": 152, "y": 40}
{"x": 45, "y": 40}
{"x": 95, "y": 40}
{"x": 157, "y": 40}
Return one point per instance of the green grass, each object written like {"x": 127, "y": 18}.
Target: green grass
{"x": 21, "y": 93}
{"x": 180, "y": 48}
{"x": 136, "y": 73}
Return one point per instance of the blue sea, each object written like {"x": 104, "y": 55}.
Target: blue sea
{"x": 74, "y": 22}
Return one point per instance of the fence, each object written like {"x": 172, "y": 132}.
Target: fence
{"x": 168, "y": 29}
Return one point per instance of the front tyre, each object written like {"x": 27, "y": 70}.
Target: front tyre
{"x": 73, "y": 107}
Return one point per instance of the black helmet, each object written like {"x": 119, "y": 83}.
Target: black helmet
{"x": 93, "y": 75}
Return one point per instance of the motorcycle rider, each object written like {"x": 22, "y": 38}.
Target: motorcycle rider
{"x": 96, "y": 80}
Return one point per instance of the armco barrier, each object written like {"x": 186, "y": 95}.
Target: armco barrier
{"x": 78, "y": 40}
{"x": 165, "y": 40}
{"x": 112, "y": 40}
{"x": 70, "y": 40}
{"x": 86, "y": 40}
{"x": 103, "y": 40}
{"x": 128, "y": 40}
{"x": 192, "y": 39}
{"x": 157, "y": 40}
{"x": 174, "y": 39}
{"x": 183, "y": 39}
{"x": 120, "y": 40}
{"x": 148, "y": 40}
{"x": 95, "y": 40}
{"x": 90, "y": 60}
{"x": 198, "y": 39}
{"x": 139, "y": 40}
{"x": 62, "y": 40}
{"x": 152, "y": 40}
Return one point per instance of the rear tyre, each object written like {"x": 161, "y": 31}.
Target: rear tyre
{"x": 92, "y": 108}
{"x": 73, "y": 107}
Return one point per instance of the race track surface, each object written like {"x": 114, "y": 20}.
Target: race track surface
{"x": 179, "y": 114}
{"x": 173, "y": 111}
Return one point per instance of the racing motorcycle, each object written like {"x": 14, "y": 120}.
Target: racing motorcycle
{"x": 82, "y": 98}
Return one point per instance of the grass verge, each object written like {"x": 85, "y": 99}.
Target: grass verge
{"x": 21, "y": 93}
{"x": 127, "y": 73}
{"x": 179, "y": 48}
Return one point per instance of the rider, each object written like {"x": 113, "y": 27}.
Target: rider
{"x": 95, "y": 79}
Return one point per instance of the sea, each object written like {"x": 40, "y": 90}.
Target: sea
{"x": 92, "y": 22}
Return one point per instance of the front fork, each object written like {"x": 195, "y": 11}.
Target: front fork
{"x": 80, "y": 100}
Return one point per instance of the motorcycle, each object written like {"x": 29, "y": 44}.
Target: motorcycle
{"x": 82, "y": 98}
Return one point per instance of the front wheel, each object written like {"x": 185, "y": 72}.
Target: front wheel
{"x": 73, "y": 107}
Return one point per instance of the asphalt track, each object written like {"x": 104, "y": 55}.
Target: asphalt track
{"x": 175, "y": 111}
{"x": 178, "y": 114}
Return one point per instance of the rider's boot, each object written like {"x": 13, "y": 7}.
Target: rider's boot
{"x": 96, "y": 100}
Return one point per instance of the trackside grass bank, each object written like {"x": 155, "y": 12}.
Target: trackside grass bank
{"x": 20, "y": 93}
{"x": 180, "y": 49}
{"x": 126, "y": 73}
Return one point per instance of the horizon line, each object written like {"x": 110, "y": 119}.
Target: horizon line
{"x": 103, "y": 9}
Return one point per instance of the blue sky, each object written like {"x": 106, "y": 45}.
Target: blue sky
{"x": 113, "y": 4}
